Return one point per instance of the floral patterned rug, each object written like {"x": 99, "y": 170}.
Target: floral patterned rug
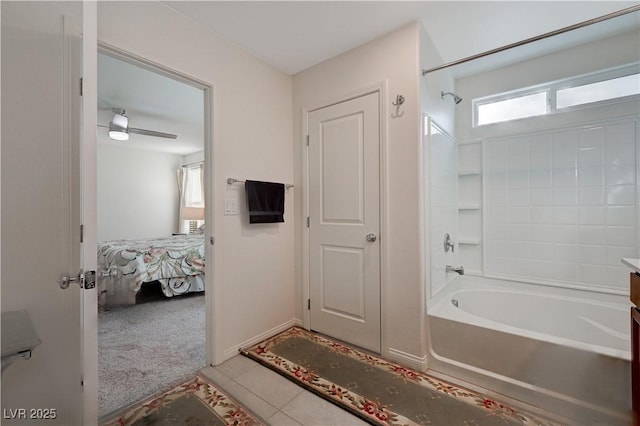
{"x": 376, "y": 390}
{"x": 194, "y": 403}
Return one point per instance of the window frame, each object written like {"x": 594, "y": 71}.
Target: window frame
{"x": 610, "y": 74}
{"x": 477, "y": 103}
{"x": 188, "y": 199}
{"x": 552, "y": 89}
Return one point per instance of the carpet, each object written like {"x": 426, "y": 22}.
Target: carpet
{"x": 378, "y": 391}
{"x": 147, "y": 348}
{"x": 193, "y": 403}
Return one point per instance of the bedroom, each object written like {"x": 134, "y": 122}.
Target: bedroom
{"x": 150, "y": 208}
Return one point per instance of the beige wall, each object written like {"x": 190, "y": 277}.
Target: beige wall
{"x": 252, "y": 139}
{"x": 251, "y": 114}
{"x": 137, "y": 192}
{"x": 391, "y": 61}
{"x": 443, "y": 111}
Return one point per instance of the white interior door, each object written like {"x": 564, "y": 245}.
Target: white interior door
{"x": 344, "y": 221}
{"x": 41, "y": 208}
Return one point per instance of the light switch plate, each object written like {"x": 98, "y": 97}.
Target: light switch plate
{"x": 230, "y": 206}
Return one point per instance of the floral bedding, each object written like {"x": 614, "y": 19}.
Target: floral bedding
{"x": 123, "y": 265}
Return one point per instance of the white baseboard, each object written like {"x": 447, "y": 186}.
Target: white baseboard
{"x": 233, "y": 351}
{"x": 407, "y": 359}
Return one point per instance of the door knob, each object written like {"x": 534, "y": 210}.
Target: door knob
{"x": 65, "y": 280}
{"x": 86, "y": 280}
{"x": 371, "y": 237}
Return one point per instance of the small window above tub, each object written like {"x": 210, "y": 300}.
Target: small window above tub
{"x": 619, "y": 84}
{"x": 512, "y": 107}
{"x": 606, "y": 90}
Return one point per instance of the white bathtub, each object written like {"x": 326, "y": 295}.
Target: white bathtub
{"x": 564, "y": 350}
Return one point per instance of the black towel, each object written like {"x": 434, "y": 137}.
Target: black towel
{"x": 265, "y": 201}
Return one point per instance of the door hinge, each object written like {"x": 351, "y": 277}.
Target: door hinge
{"x": 81, "y": 85}
{"x": 308, "y": 222}
{"x": 82, "y": 233}
{"x": 307, "y": 140}
{"x": 309, "y": 304}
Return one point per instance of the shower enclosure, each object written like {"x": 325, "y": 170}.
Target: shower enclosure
{"x": 534, "y": 178}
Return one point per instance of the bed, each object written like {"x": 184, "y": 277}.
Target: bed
{"x": 124, "y": 265}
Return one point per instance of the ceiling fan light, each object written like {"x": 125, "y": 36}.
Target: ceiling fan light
{"x": 118, "y": 128}
{"x": 118, "y": 135}
{"x": 120, "y": 120}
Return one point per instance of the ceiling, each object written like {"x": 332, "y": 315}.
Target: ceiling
{"x": 152, "y": 101}
{"x": 296, "y": 35}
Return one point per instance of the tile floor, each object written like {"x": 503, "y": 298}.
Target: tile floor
{"x": 272, "y": 397}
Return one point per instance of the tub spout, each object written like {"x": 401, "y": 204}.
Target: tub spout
{"x": 459, "y": 269}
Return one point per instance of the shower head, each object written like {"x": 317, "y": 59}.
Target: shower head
{"x": 457, "y": 99}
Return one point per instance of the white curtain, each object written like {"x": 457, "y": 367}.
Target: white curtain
{"x": 189, "y": 200}
{"x": 182, "y": 189}
{"x": 202, "y": 183}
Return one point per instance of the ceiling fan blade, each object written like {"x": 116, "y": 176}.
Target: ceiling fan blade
{"x": 102, "y": 125}
{"x": 151, "y": 133}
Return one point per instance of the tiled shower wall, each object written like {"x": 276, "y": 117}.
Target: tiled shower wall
{"x": 562, "y": 206}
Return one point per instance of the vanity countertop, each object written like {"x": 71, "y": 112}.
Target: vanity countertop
{"x": 632, "y": 263}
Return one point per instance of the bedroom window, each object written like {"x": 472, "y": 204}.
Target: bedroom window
{"x": 194, "y": 195}
{"x": 190, "y": 180}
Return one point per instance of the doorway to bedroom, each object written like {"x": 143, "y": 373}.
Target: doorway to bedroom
{"x": 152, "y": 169}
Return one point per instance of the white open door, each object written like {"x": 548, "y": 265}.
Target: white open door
{"x": 42, "y": 212}
{"x": 344, "y": 221}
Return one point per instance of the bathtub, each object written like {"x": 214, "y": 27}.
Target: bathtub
{"x": 564, "y": 350}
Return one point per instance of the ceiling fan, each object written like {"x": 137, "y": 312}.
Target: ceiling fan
{"x": 119, "y": 128}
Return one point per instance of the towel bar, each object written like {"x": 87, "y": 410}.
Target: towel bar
{"x": 231, "y": 181}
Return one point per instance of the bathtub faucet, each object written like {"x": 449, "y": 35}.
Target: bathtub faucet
{"x": 459, "y": 269}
